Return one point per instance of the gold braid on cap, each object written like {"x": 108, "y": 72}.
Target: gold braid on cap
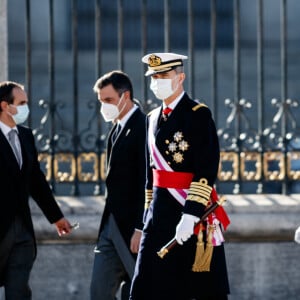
{"x": 148, "y": 198}
{"x": 155, "y": 63}
{"x": 166, "y": 66}
{"x": 199, "y": 191}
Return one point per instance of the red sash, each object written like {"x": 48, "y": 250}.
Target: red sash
{"x": 176, "y": 180}
{"x": 182, "y": 180}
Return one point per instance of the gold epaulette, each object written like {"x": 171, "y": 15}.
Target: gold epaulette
{"x": 198, "y": 106}
{"x": 148, "y": 198}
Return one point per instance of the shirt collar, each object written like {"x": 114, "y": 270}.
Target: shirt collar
{"x": 173, "y": 104}
{"x": 124, "y": 120}
{"x": 6, "y": 129}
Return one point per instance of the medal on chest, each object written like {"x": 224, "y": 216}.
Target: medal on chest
{"x": 176, "y": 147}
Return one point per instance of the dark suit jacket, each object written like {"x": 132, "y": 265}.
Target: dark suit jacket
{"x": 125, "y": 181}
{"x": 17, "y": 185}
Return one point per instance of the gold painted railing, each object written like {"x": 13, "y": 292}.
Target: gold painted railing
{"x": 255, "y": 166}
{"x": 90, "y": 167}
{"x": 246, "y": 166}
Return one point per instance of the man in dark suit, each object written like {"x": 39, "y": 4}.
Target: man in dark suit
{"x": 182, "y": 166}
{"x": 121, "y": 224}
{"x": 20, "y": 177}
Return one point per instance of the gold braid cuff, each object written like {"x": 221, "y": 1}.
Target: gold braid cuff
{"x": 148, "y": 198}
{"x": 199, "y": 191}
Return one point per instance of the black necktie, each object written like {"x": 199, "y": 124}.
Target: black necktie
{"x": 116, "y": 133}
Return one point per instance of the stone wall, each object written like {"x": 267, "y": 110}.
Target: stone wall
{"x": 261, "y": 256}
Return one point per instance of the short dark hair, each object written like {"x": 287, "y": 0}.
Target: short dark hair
{"x": 118, "y": 79}
{"x": 179, "y": 69}
{"x": 6, "y": 90}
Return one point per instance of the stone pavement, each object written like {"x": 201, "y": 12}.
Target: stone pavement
{"x": 261, "y": 256}
{"x": 263, "y": 218}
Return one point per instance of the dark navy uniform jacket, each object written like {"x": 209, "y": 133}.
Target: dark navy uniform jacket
{"x": 198, "y": 153}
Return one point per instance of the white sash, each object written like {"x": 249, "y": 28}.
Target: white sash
{"x": 158, "y": 160}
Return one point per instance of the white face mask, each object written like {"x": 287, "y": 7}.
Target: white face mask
{"x": 110, "y": 111}
{"x": 162, "y": 88}
{"x": 22, "y": 113}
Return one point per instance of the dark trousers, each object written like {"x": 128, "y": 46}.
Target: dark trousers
{"x": 17, "y": 254}
{"x": 113, "y": 265}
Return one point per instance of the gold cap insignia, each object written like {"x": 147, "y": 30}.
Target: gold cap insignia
{"x": 154, "y": 60}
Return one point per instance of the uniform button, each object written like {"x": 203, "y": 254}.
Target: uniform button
{"x": 167, "y": 152}
{"x": 167, "y": 141}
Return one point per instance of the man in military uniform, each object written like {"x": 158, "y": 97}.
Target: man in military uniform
{"x": 182, "y": 166}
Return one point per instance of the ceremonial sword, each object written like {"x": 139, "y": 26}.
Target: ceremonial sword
{"x": 171, "y": 244}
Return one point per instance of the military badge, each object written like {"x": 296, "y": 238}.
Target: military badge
{"x": 154, "y": 60}
{"x": 178, "y": 136}
{"x": 172, "y": 147}
{"x": 178, "y": 157}
{"x": 177, "y": 147}
{"x": 183, "y": 145}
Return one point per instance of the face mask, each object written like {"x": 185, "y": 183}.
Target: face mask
{"x": 22, "y": 113}
{"x": 162, "y": 88}
{"x": 110, "y": 111}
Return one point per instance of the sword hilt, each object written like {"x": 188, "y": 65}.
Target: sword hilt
{"x": 171, "y": 244}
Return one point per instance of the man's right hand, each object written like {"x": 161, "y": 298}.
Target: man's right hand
{"x": 185, "y": 228}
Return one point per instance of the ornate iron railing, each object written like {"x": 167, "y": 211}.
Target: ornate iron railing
{"x": 260, "y": 140}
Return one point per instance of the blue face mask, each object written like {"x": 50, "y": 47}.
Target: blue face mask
{"x": 22, "y": 113}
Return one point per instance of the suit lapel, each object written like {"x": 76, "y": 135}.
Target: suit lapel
{"x": 27, "y": 152}
{"x": 114, "y": 149}
{"x": 8, "y": 155}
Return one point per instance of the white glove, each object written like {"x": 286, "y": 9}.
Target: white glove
{"x": 297, "y": 235}
{"x": 185, "y": 228}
